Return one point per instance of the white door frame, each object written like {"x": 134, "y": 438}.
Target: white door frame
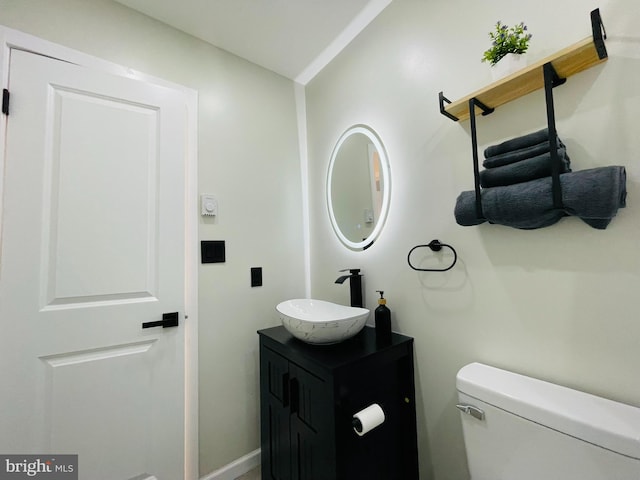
{"x": 9, "y": 39}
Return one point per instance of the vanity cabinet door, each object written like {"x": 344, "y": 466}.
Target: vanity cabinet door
{"x": 312, "y": 417}
{"x": 275, "y": 416}
{"x": 296, "y": 421}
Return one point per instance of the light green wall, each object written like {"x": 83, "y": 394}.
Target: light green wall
{"x": 248, "y": 157}
{"x": 558, "y": 303}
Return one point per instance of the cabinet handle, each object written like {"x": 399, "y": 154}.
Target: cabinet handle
{"x": 294, "y": 395}
{"x": 285, "y": 389}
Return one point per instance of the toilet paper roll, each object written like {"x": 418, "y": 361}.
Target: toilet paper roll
{"x": 367, "y": 419}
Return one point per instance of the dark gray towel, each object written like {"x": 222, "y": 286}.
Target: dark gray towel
{"x": 594, "y": 195}
{"x": 524, "y": 170}
{"x": 521, "y": 154}
{"x": 518, "y": 143}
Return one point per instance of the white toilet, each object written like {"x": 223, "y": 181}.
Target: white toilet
{"x": 520, "y": 428}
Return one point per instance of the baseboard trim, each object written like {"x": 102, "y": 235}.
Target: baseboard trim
{"x": 236, "y": 468}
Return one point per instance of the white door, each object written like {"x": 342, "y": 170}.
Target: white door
{"x": 92, "y": 246}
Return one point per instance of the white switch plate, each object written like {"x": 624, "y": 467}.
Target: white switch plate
{"x": 208, "y": 205}
{"x": 368, "y": 215}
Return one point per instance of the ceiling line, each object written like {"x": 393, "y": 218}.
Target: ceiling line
{"x": 368, "y": 13}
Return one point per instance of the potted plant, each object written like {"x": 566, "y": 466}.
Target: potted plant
{"x": 508, "y": 45}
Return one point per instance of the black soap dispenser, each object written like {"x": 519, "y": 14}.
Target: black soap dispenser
{"x": 382, "y": 316}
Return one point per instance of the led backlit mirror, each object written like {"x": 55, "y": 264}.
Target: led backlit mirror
{"x": 358, "y": 187}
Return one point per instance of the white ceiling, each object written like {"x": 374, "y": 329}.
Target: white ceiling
{"x": 295, "y": 38}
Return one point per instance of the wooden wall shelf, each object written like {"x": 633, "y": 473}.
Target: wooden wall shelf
{"x": 567, "y": 62}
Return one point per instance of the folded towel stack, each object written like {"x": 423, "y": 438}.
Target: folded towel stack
{"x": 594, "y": 195}
{"x": 521, "y": 159}
{"x": 518, "y": 188}
{"x": 518, "y": 143}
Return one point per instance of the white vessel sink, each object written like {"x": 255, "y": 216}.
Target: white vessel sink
{"x": 319, "y": 322}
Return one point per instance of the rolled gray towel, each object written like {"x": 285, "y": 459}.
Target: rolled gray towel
{"x": 594, "y": 195}
{"x": 518, "y": 143}
{"x": 521, "y": 154}
{"x": 524, "y": 170}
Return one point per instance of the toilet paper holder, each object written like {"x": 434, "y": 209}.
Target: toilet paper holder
{"x": 356, "y": 424}
{"x": 367, "y": 419}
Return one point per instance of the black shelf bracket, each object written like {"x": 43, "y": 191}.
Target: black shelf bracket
{"x": 485, "y": 110}
{"x": 441, "y": 100}
{"x": 555, "y": 79}
{"x": 599, "y": 33}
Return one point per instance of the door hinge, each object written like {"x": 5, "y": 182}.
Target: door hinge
{"x": 5, "y": 101}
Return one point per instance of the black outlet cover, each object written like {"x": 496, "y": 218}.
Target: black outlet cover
{"x": 212, "y": 251}
{"x": 256, "y": 276}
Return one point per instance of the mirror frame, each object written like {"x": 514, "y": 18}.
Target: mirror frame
{"x": 386, "y": 178}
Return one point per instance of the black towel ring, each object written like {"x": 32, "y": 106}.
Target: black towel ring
{"x": 435, "y": 246}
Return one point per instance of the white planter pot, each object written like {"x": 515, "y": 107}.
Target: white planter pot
{"x": 507, "y": 65}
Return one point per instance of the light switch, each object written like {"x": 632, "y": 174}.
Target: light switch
{"x": 212, "y": 251}
{"x": 368, "y": 215}
{"x": 209, "y": 205}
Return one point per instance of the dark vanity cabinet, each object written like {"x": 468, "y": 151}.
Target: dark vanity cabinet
{"x": 308, "y": 396}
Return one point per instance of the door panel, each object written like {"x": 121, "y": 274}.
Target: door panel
{"x": 117, "y": 190}
{"x": 81, "y": 376}
{"x": 92, "y": 247}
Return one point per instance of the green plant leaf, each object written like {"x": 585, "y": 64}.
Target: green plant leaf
{"x": 505, "y": 39}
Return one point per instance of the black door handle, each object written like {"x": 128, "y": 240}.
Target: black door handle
{"x": 168, "y": 320}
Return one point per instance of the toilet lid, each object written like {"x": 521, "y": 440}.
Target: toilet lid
{"x": 603, "y": 422}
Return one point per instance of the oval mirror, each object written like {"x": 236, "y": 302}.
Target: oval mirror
{"x": 358, "y": 187}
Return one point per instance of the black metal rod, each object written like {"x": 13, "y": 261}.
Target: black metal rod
{"x": 474, "y": 148}
{"x": 549, "y": 73}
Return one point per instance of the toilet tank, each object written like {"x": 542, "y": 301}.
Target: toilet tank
{"x": 520, "y": 428}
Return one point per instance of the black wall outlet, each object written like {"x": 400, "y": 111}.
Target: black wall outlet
{"x": 256, "y": 276}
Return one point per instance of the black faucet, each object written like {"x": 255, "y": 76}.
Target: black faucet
{"x": 355, "y": 285}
